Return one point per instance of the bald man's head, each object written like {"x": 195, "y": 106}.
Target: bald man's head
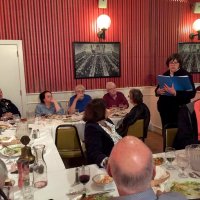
{"x": 130, "y": 165}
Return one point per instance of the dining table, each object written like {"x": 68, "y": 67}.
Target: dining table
{"x": 61, "y": 180}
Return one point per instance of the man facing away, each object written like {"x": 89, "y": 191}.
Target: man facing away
{"x": 131, "y": 166}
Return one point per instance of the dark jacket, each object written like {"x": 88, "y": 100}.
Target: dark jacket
{"x": 98, "y": 143}
{"x": 7, "y": 106}
{"x": 140, "y": 111}
{"x": 187, "y": 127}
{"x": 168, "y": 106}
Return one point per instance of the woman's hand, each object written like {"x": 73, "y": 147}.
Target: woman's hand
{"x": 160, "y": 91}
{"x": 170, "y": 90}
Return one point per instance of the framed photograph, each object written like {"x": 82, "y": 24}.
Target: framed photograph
{"x": 190, "y": 53}
{"x": 96, "y": 60}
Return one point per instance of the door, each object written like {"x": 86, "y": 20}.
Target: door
{"x": 10, "y": 74}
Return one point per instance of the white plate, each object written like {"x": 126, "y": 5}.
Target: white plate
{"x": 190, "y": 188}
{"x": 102, "y": 180}
{"x": 16, "y": 147}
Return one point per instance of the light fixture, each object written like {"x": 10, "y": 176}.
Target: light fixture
{"x": 196, "y": 27}
{"x": 103, "y": 23}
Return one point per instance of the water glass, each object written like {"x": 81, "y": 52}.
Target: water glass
{"x": 183, "y": 163}
{"x": 16, "y": 118}
{"x": 170, "y": 157}
{"x": 76, "y": 112}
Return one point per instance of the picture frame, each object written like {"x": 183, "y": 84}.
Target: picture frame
{"x": 190, "y": 54}
{"x": 96, "y": 59}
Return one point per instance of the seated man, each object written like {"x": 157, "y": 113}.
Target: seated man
{"x": 139, "y": 111}
{"x": 131, "y": 166}
{"x": 188, "y": 125}
{"x": 48, "y": 105}
{"x": 114, "y": 98}
{"x": 7, "y": 108}
{"x": 3, "y": 177}
{"x": 79, "y": 101}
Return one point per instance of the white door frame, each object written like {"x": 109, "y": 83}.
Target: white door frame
{"x": 18, "y": 43}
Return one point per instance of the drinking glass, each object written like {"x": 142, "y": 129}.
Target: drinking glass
{"x": 183, "y": 163}
{"x": 16, "y": 118}
{"x": 76, "y": 112}
{"x": 84, "y": 176}
{"x": 170, "y": 156}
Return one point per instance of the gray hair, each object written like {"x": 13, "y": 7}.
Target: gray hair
{"x": 136, "y": 95}
{"x": 138, "y": 182}
{"x": 79, "y": 87}
{"x": 3, "y": 173}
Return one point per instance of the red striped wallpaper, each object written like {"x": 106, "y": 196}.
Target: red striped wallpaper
{"x": 148, "y": 31}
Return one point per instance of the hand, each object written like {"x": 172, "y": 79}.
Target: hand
{"x": 160, "y": 91}
{"x": 79, "y": 96}
{"x": 170, "y": 90}
{"x": 53, "y": 100}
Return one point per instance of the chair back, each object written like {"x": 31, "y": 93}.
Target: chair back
{"x": 137, "y": 129}
{"x": 68, "y": 142}
{"x": 169, "y": 136}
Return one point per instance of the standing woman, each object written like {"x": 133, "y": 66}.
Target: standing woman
{"x": 168, "y": 106}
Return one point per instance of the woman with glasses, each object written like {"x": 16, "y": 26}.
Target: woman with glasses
{"x": 48, "y": 105}
{"x": 168, "y": 105}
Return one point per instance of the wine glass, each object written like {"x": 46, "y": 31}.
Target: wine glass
{"x": 84, "y": 176}
{"x": 183, "y": 163}
{"x": 170, "y": 156}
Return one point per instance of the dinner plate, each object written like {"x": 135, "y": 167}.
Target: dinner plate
{"x": 5, "y": 139}
{"x": 70, "y": 120}
{"x": 190, "y": 188}
{"x": 102, "y": 179}
{"x": 12, "y": 150}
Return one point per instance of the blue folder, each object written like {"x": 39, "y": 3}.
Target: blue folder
{"x": 181, "y": 83}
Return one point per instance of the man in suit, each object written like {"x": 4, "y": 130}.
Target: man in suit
{"x": 131, "y": 166}
{"x": 7, "y": 108}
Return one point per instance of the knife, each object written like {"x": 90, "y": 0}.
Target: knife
{"x": 196, "y": 174}
{"x": 101, "y": 192}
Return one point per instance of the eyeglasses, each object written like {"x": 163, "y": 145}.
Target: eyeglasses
{"x": 173, "y": 62}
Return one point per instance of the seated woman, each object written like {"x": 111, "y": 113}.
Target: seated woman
{"x": 100, "y": 134}
{"x": 139, "y": 111}
{"x": 188, "y": 125}
{"x": 48, "y": 105}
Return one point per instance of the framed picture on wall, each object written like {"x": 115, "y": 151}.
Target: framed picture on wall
{"x": 190, "y": 53}
{"x": 96, "y": 60}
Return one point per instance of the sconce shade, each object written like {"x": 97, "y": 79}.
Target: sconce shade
{"x": 196, "y": 25}
{"x": 103, "y": 22}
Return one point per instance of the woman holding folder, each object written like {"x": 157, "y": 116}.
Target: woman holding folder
{"x": 170, "y": 98}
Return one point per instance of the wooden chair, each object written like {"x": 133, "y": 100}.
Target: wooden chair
{"x": 169, "y": 134}
{"x": 68, "y": 142}
{"x": 137, "y": 129}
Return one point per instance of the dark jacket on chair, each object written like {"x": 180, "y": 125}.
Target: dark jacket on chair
{"x": 187, "y": 127}
{"x": 98, "y": 143}
{"x": 140, "y": 111}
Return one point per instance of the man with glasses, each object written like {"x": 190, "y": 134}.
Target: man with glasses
{"x": 113, "y": 98}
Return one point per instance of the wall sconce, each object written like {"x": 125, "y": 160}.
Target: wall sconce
{"x": 103, "y": 23}
{"x": 196, "y": 27}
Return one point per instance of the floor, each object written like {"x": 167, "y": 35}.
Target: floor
{"x": 154, "y": 141}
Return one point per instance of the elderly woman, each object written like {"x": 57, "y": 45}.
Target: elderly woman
{"x": 3, "y": 176}
{"x": 168, "y": 105}
{"x": 139, "y": 111}
{"x": 100, "y": 134}
{"x": 48, "y": 105}
{"x": 79, "y": 101}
